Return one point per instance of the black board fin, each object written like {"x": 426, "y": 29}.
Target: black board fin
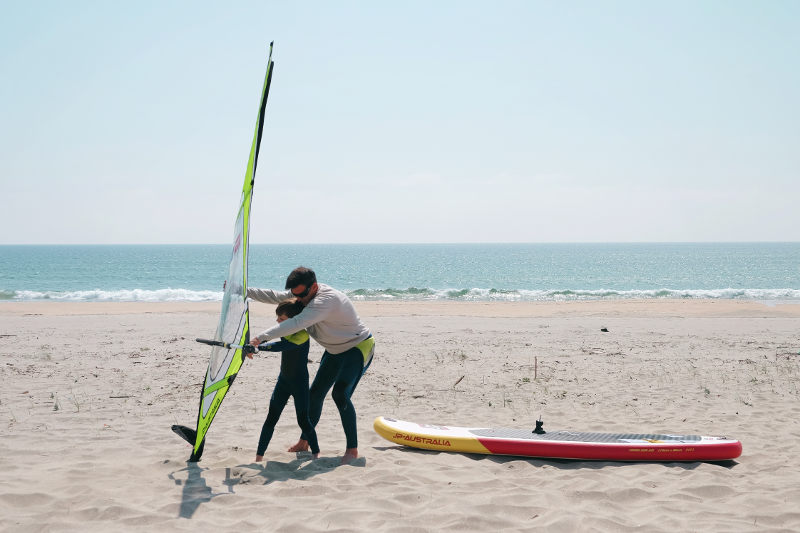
{"x": 187, "y": 434}
{"x": 190, "y": 435}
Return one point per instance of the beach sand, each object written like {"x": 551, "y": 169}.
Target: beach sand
{"x": 90, "y": 391}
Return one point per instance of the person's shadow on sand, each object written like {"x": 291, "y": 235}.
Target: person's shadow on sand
{"x": 301, "y": 468}
{"x": 196, "y": 491}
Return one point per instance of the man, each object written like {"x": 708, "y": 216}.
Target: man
{"x": 332, "y": 321}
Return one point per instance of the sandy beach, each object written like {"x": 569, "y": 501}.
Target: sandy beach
{"x": 91, "y": 390}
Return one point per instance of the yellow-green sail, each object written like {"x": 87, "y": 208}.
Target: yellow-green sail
{"x": 234, "y": 325}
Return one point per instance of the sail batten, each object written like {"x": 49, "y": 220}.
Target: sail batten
{"x": 233, "y": 330}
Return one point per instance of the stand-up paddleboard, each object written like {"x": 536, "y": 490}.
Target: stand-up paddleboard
{"x": 559, "y": 444}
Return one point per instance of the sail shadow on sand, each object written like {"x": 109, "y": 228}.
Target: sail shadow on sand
{"x": 195, "y": 489}
{"x": 300, "y": 469}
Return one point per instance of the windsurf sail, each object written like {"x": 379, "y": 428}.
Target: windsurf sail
{"x": 231, "y": 340}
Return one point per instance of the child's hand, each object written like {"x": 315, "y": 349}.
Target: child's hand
{"x": 249, "y": 356}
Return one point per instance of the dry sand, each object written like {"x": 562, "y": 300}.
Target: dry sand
{"x": 90, "y": 391}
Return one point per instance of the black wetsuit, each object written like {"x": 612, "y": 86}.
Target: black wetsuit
{"x": 342, "y": 372}
{"x": 292, "y": 381}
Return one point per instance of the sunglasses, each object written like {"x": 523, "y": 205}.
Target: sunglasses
{"x": 302, "y": 294}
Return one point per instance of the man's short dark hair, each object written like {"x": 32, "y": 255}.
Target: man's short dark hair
{"x": 301, "y": 276}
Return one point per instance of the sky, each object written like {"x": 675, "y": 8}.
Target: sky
{"x": 401, "y": 122}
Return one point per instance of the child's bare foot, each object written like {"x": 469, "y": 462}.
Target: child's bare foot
{"x": 259, "y": 458}
{"x": 315, "y": 455}
{"x": 350, "y": 455}
{"x": 301, "y": 446}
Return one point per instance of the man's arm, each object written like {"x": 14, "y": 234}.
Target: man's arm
{"x": 268, "y": 296}
{"x": 308, "y": 317}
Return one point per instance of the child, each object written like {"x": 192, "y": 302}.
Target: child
{"x": 292, "y": 380}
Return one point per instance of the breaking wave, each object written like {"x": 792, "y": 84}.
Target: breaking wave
{"x": 417, "y": 294}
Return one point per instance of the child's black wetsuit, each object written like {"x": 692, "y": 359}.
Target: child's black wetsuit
{"x": 292, "y": 381}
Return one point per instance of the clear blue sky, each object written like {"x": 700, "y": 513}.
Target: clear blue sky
{"x": 130, "y": 122}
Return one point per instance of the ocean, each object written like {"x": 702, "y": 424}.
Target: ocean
{"x": 467, "y": 272}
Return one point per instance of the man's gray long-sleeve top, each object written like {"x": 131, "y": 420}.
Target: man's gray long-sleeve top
{"x": 329, "y": 317}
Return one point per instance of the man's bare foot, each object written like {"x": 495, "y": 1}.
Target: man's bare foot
{"x": 350, "y": 455}
{"x": 259, "y": 458}
{"x": 315, "y": 455}
{"x": 301, "y": 446}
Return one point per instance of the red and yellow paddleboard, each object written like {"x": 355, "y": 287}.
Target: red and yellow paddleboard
{"x": 559, "y": 444}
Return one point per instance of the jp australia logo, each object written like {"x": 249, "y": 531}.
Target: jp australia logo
{"x": 421, "y": 440}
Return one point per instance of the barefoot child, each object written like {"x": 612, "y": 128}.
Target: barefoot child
{"x": 292, "y": 380}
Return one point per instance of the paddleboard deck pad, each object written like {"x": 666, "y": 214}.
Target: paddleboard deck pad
{"x": 559, "y": 444}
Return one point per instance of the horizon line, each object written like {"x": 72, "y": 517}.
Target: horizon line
{"x": 398, "y": 243}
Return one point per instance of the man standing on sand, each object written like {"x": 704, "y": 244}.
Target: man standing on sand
{"x": 332, "y": 321}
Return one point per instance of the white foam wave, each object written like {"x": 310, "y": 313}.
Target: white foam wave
{"x": 414, "y": 294}
{"x": 480, "y": 294}
{"x": 133, "y": 295}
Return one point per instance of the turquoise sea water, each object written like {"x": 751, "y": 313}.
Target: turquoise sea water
{"x": 756, "y": 271}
